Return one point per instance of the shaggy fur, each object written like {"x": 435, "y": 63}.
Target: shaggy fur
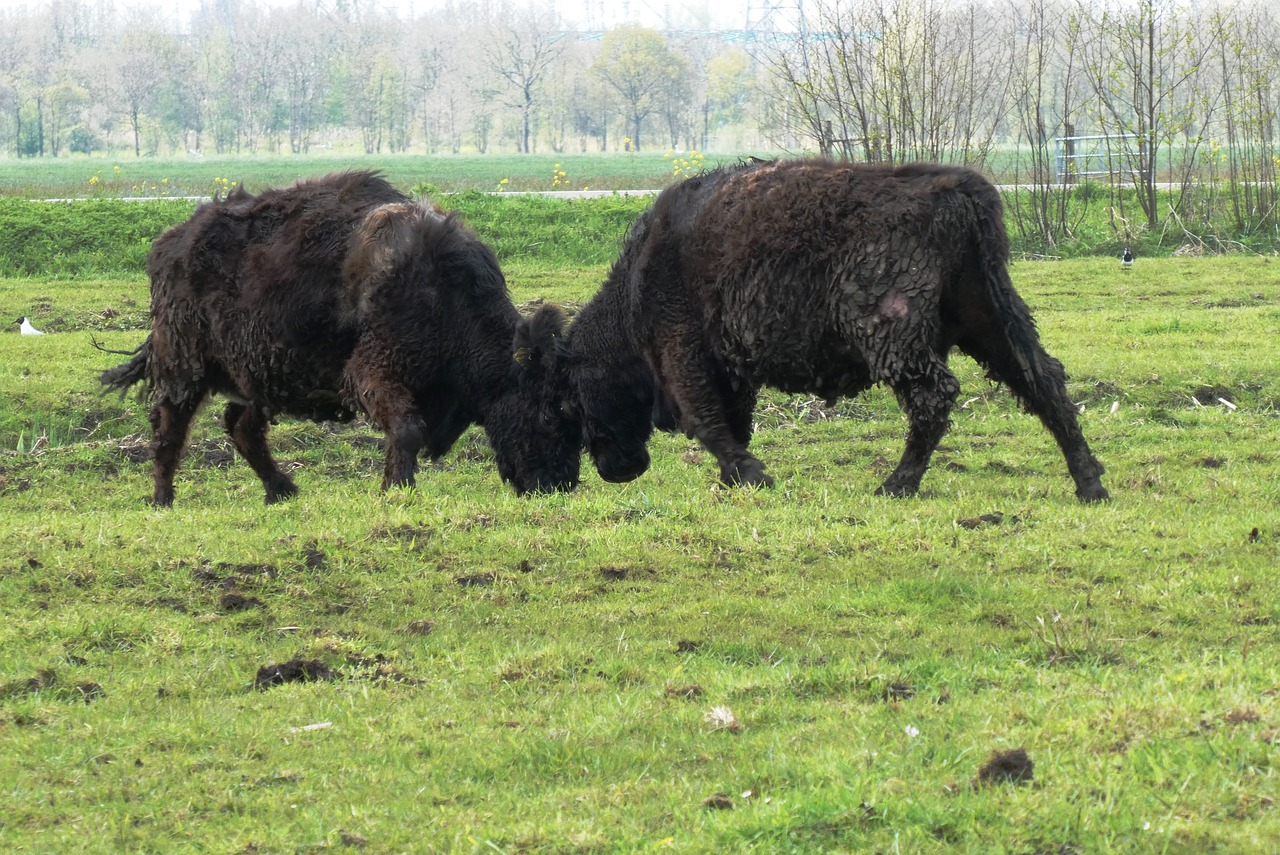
{"x": 329, "y": 297}
{"x": 810, "y": 276}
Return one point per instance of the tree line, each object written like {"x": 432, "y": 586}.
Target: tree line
{"x": 1049, "y": 94}
{"x": 1175, "y": 100}
{"x": 76, "y": 77}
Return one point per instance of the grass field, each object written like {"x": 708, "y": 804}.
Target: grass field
{"x": 665, "y": 664}
{"x": 174, "y": 176}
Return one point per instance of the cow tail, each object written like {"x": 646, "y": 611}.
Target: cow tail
{"x": 136, "y": 370}
{"x": 1040, "y": 370}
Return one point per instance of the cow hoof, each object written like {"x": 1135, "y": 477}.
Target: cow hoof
{"x": 748, "y": 474}
{"x": 1093, "y": 493}
{"x": 278, "y": 492}
{"x": 896, "y": 491}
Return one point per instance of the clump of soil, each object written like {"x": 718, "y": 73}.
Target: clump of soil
{"x": 1244, "y": 715}
{"x": 90, "y": 692}
{"x": 420, "y": 627}
{"x": 1013, "y": 766}
{"x": 613, "y": 573}
{"x": 313, "y": 557}
{"x": 46, "y": 680}
{"x": 899, "y": 692}
{"x": 718, "y": 801}
{"x": 476, "y": 580}
{"x": 1209, "y": 395}
{"x": 688, "y": 646}
{"x": 690, "y": 692}
{"x": 293, "y": 671}
{"x": 979, "y": 522}
{"x": 237, "y": 602}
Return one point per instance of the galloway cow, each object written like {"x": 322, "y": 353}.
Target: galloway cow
{"x": 335, "y": 296}
{"x": 809, "y": 276}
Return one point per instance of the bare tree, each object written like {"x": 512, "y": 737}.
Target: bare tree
{"x": 901, "y": 80}
{"x": 1248, "y": 67}
{"x": 521, "y": 47}
{"x": 1047, "y": 94}
{"x": 138, "y": 68}
{"x": 1141, "y": 60}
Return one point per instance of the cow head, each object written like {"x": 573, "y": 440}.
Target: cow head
{"x": 616, "y": 420}
{"x": 613, "y": 389}
{"x": 595, "y": 390}
{"x": 534, "y": 428}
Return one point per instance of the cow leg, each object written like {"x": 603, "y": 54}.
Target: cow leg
{"x": 713, "y": 411}
{"x": 247, "y": 427}
{"x": 405, "y": 437}
{"x": 170, "y": 422}
{"x": 927, "y": 396}
{"x": 393, "y": 409}
{"x": 1043, "y": 391}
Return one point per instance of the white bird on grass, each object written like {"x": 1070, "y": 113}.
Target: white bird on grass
{"x": 26, "y": 328}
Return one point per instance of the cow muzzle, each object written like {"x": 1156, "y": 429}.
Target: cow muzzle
{"x": 618, "y": 466}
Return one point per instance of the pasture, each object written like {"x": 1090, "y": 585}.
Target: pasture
{"x": 666, "y": 664}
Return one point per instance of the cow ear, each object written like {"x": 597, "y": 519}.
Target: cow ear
{"x": 539, "y": 339}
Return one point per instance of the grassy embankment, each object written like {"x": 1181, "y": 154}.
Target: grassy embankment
{"x": 540, "y": 674}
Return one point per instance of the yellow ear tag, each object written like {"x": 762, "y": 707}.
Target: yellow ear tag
{"x": 522, "y": 355}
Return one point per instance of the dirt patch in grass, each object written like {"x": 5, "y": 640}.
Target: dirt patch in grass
{"x": 234, "y": 601}
{"x": 313, "y": 557}
{"x": 293, "y": 671}
{"x": 89, "y": 692}
{"x": 414, "y": 535}
{"x": 377, "y": 669}
{"x": 134, "y": 449}
{"x": 232, "y": 576}
{"x": 1208, "y": 396}
{"x": 1012, "y": 766}
{"x": 420, "y": 627}
{"x": 718, "y": 801}
{"x": 476, "y": 580}
{"x": 1244, "y": 715}
{"x": 978, "y": 522}
{"x": 690, "y": 692}
{"x": 216, "y": 457}
{"x": 899, "y": 692}
{"x": 46, "y": 682}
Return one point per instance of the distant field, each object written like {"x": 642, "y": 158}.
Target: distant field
{"x": 665, "y": 664}
{"x": 65, "y": 177}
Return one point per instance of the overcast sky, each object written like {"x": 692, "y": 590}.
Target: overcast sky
{"x": 593, "y": 14}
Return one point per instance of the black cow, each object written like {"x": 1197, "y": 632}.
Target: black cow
{"x": 809, "y": 276}
{"x": 335, "y": 296}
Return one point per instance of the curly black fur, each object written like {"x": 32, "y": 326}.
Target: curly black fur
{"x": 330, "y": 297}
{"x": 810, "y": 276}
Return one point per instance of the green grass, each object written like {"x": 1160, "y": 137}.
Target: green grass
{"x": 174, "y": 176}
{"x": 110, "y": 237}
{"x": 536, "y": 674}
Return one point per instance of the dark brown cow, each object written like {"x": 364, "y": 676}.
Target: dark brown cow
{"x": 809, "y": 276}
{"x": 334, "y": 296}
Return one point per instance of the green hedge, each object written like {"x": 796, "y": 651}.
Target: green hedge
{"x": 111, "y": 237}
{"x": 88, "y": 238}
